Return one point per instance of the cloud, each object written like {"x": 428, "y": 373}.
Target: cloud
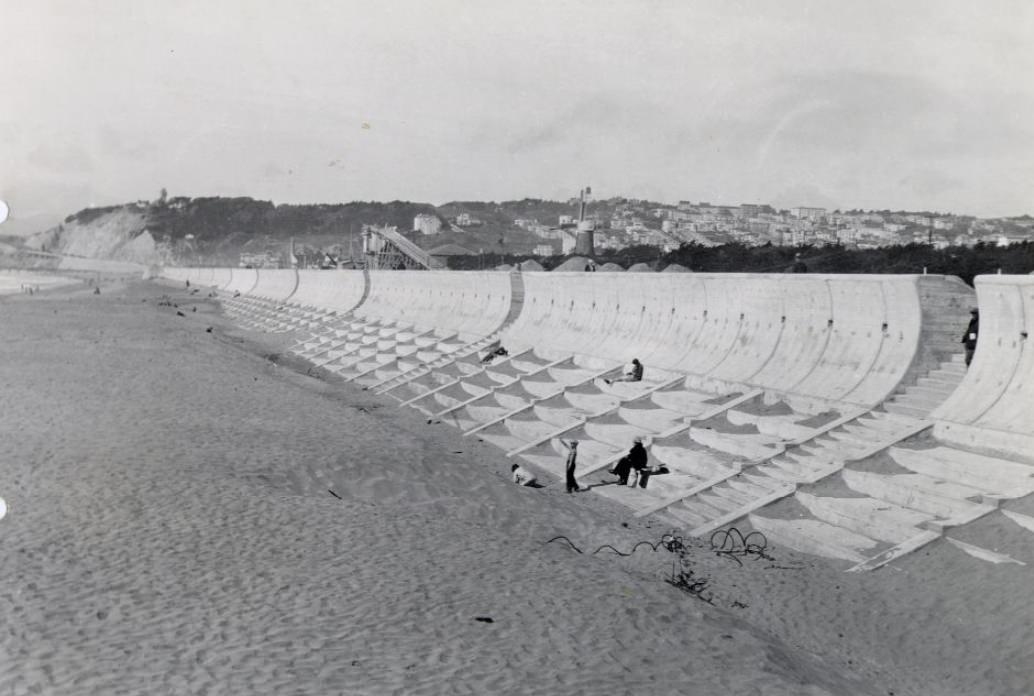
{"x": 581, "y": 120}
{"x": 806, "y": 195}
{"x": 60, "y": 158}
{"x": 928, "y": 183}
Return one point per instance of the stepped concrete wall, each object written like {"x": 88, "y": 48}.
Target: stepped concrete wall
{"x": 992, "y": 408}
{"x": 338, "y": 291}
{"x": 817, "y": 341}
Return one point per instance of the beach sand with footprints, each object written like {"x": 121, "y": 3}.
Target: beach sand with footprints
{"x": 191, "y": 512}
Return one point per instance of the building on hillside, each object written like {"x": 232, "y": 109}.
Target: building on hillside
{"x": 759, "y": 227}
{"x": 753, "y": 210}
{"x": 544, "y": 250}
{"x": 443, "y": 252}
{"x": 467, "y": 220}
{"x": 427, "y": 224}
{"x": 804, "y": 213}
{"x": 261, "y": 259}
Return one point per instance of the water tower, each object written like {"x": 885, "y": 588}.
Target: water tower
{"x": 586, "y": 241}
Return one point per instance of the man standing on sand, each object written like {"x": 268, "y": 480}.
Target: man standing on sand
{"x": 572, "y": 458}
{"x": 969, "y": 339}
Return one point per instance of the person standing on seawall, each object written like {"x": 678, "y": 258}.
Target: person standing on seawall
{"x": 798, "y": 265}
{"x": 969, "y": 339}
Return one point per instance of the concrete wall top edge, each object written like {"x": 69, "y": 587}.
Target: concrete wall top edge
{"x": 996, "y": 279}
{"x": 789, "y": 277}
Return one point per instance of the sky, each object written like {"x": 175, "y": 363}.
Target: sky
{"x": 903, "y": 105}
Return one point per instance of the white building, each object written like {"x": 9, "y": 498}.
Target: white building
{"x": 467, "y": 220}
{"x": 803, "y": 213}
{"x": 427, "y": 223}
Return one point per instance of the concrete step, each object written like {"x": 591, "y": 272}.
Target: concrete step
{"x": 873, "y": 518}
{"x": 906, "y": 410}
{"x": 816, "y": 537}
{"x": 945, "y": 502}
{"x": 881, "y": 559}
{"x": 937, "y": 391}
{"x": 992, "y": 474}
{"x": 942, "y": 381}
{"x": 917, "y": 401}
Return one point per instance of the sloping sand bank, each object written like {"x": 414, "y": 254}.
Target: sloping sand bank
{"x": 186, "y": 516}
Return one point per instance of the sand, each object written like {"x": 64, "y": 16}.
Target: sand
{"x": 18, "y": 281}
{"x": 171, "y": 530}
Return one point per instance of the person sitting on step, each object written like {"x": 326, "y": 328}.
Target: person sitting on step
{"x": 635, "y": 460}
{"x": 633, "y": 373}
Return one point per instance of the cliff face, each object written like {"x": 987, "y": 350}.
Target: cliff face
{"x": 119, "y": 233}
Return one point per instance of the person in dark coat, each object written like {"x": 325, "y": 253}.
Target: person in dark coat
{"x": 572, "y": 459}
{"x": 798, "y": 265}
{"x": 969, "y": 339}
{"x": 633, "y": 373}
{"x": 635, "y": 461}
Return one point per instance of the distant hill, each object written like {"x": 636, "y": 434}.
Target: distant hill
{"x": 217, "y": 230}
{"x": 214, "y": 230}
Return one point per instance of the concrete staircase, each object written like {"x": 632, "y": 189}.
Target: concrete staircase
{"x": 926, "y": 493}
{"x": 930, "y": 391}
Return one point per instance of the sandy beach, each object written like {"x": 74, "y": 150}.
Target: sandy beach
{"x": 190, "y": 512}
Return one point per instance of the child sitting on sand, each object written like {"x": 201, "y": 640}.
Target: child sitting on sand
{"x": 521, "y": 476}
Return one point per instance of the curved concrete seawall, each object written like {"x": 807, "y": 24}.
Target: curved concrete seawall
{"x": 472, "y": 303}
{"x": 220, "y": 278}
{"x": 813, "y": 339}
{"x": 243, "y": 280}
{"x": 275, "y": 285}
{"x": 336, "y": 291}
{"x": 993, "y": 408}
{"x": 816, "y": 341}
